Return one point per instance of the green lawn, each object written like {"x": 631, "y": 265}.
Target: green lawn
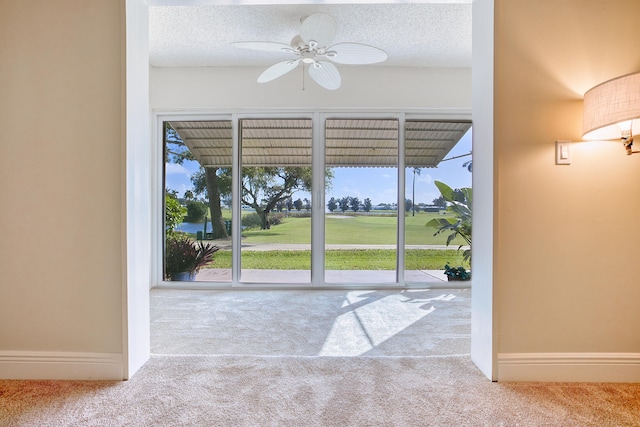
{"x": 291, "y": 230}
{"x": 358, "y": 259}
{"x": 366, "y": 230}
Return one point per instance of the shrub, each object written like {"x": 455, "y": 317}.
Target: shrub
{"x": 275, "y": 218}
{"x": 195, "y": 211}
{"x": 174, "y": 213}
{"x": 182, "y": 255}
{"x": 460, "y": 202}
{"x": 252, "y": 220}
{"x": 299, "y": 215}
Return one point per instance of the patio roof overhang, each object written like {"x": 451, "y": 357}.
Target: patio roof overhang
{"x": 349, "y": 142}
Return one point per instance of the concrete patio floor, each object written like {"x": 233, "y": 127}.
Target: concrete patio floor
{"x": 331, "y": 276}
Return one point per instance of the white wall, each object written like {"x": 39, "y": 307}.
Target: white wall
{"x": 61, "y": 81}
{"x": 362, "y": 87}
{"x": 136, "y": 190}
{"x": 484, "y": 189}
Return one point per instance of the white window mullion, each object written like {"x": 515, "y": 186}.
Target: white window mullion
{"x": 401, "y": 201}
{"x": 317, "y": 197}
{"x": 236, "y": 202}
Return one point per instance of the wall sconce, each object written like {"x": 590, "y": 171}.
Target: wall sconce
{"x": 611, "y": 109}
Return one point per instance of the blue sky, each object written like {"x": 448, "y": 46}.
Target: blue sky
{"x": 378, "y": 184}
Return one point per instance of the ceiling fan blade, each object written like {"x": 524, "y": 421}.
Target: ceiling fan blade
{"x": 277, "y": 70}
{"x": 319, "y": 27}
{"x": 325, "y": 74}
{"x": 265, "y": 46}
{"x": 356, "y": 53}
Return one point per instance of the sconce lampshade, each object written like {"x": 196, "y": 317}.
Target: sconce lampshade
{"x": 611, "y": 107}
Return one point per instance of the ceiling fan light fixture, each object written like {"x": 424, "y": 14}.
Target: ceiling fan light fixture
{"x": 311, "y": 46}
{"x": 297, "y": 42}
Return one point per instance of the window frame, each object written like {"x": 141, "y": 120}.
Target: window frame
{"x": 318, "y": 117}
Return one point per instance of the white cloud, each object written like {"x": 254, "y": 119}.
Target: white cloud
{"x": 427, "y": 178}
{"x": 351, "y": 192}
{"x": 426, "y": 197}
{"x": 389, "y": 195}
{"x": 176, "y": 169}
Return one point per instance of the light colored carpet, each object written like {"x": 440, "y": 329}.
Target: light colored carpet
{"x": 311, "y": 323}
{"x": 314, "y": 391}
{"x": 328, "y": 358}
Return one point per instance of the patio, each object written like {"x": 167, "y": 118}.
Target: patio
{"x": 427, "y": 277}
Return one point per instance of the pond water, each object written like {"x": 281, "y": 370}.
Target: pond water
{"x": 193, "y": 227}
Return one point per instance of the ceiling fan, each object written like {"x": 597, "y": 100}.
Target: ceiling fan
{"x": 312, "y": 47}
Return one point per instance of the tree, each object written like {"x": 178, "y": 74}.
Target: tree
{"x": 416, "y": 171}
{"x": 440, "y": 202}
{"x": 213, "y": 183}
{"x": 408, "y": 205}
{"x": 174, "y": 211}
{"x": 206, "y": 181}
{"x": 344, "y": 204}
{"x": 298, "y": 205}
{"x": 332, "y": 205}
{"x": 307, "y": 204}
{"x": 367, "y": 204}
{"x": 196, "y": 211}
{"x": 354, "y": 202}
{"x": 264, "y": 187}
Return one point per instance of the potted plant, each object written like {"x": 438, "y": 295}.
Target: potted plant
{"x": 459, "y": 203}
{"x": 456, "y": 273}
{"x": 184, "y": 258}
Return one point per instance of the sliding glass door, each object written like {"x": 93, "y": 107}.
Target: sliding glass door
{"x": 310, "y": 200}
{"x": 361, "y": 216}
{"x": 197, "y": 200}
{"x": 276, "y": 200}
{"x": 426, "y": 144}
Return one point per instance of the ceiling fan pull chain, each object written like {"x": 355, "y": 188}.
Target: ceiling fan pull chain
{"x": 303, "y": 76}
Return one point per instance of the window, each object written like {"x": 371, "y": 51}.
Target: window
{"x": 372, "y": 207}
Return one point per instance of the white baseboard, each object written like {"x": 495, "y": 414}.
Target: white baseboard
{"x": 569, "y": 367}
{"x": 35, "y": 365}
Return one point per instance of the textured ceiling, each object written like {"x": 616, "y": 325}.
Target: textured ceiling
{"x": 431, "y": 34}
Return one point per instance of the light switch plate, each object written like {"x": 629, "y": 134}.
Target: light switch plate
{"x": 563, "y": 152}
